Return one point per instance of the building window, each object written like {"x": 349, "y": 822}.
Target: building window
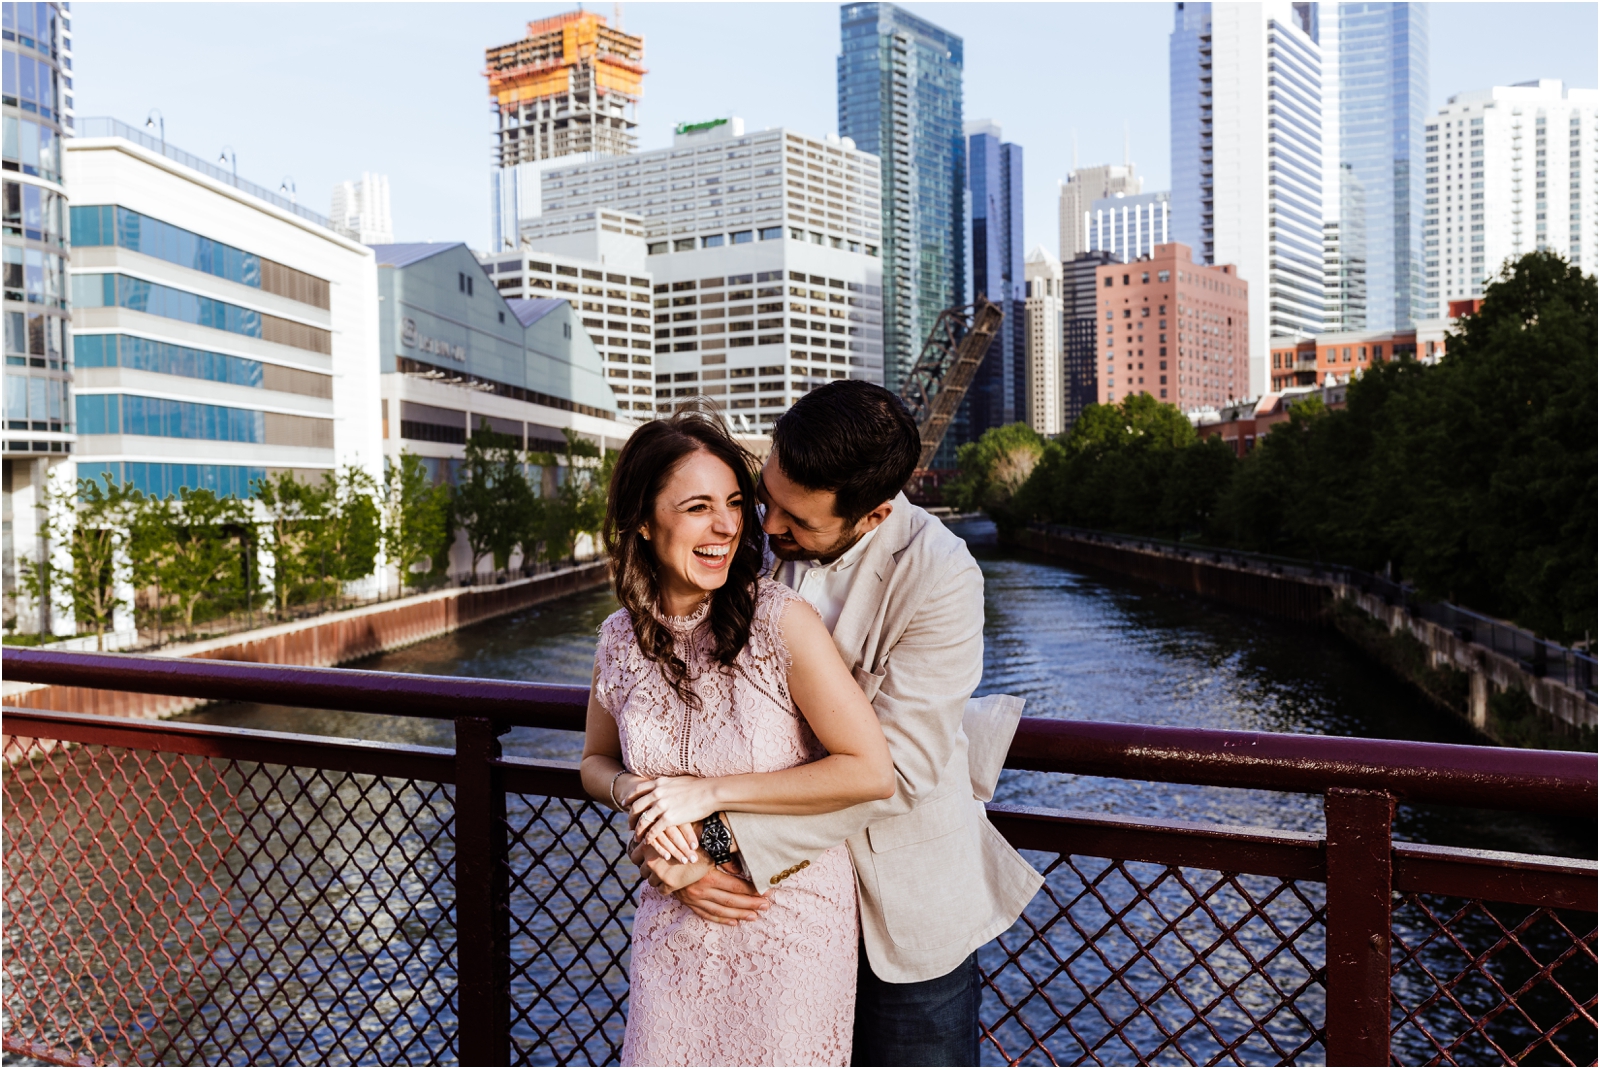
{"x": 740, "y": 237}
{"x": 683, "y": 245}
{"x": 712, "y": 241}
{"x": 771, "y": 233}
{"x": 656, "y": 248}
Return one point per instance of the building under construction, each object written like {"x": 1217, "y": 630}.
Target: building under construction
{"x": 569, "y": 88}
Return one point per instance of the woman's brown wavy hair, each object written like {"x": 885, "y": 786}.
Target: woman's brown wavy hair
{"x": 648, "y": 460}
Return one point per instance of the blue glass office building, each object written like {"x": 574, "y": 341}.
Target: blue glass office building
{"x": 900, "y": 99}
{"x": 999, "y": 393}
{"x": 1383, "y": 101}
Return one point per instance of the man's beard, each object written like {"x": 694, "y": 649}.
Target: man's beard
{"x": 788, "y": 549}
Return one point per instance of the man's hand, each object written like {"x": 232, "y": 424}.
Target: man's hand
{"x": 723, "y": 898}
{"x": 667, "y": 875}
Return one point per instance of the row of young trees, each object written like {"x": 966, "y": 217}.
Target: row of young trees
{"x": 197, "y": 555}
{"x": 1475, "y": 479}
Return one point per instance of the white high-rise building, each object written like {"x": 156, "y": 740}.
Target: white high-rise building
{"x": 1247, "y": 158}
{"x": 1510, "y": 170}
{"x": 361, "y": 210}
{"x": 764, "y": 251}
{"x": 1046, "y": 387}
{"x": 1077, "y": 196}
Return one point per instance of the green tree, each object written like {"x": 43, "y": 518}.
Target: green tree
{"x": 293, "y": 511}
{"x": 349, "y": 535}
{"x": 150, "y": 547}
{"x": 492, "y": 500}
{"x": 994, "y": 468}
{"x": 579, "y": 504}
{"x": 203, "y": 558}
{"x": 416, "y": 518}
{"x": 91, "y": 523}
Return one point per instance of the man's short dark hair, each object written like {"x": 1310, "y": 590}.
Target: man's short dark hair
{"x": 852, "y": 438}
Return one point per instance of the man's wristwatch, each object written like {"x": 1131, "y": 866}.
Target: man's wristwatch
{"x": 715, "y": 839}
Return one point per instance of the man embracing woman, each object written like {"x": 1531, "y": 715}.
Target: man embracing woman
{"x": 782, "y": 707}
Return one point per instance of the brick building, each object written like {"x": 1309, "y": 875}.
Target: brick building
{"x": 1174, "y": 329}
{"x": 1310, "y": 361}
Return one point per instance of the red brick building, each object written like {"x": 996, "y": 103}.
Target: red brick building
{"x": 1174, "y": 329}
{"x": 1309, "y": 361}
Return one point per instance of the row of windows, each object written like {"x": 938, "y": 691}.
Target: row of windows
{"x": 143, "y": 354}
{"x": 32, "y": 212}
{"x": 34, "y": 276}
{"x": 159, "y": 417}
{"x": 36, "y": 334}
{"x": 109, "y": 224}
{"x": 31, "y": 147}
{"x": 34, "y": 399}
{"x": 165, "y": 480}
{"x": 121, "y": 291}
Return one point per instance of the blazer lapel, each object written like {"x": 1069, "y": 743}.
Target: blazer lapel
{"x": 863, "y": 610}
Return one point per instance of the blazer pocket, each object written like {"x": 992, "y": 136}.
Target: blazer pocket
{"x": 869, "y": 682}
{"x": 943, "y": 815}
{"x": 928, "y": 873}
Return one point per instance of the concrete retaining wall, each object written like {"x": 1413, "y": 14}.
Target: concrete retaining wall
{"x": 323, "y": 641}
{"x": 1307, "y": 599}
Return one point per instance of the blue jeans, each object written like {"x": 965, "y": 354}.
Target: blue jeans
{"x": 930, "y": 1022}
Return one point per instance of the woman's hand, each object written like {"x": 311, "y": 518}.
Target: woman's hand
{"x": 667, "y": 804}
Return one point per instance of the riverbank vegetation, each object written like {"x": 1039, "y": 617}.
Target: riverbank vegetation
{"x": 300, "y": 546}
{"x": 1475, "y": 478}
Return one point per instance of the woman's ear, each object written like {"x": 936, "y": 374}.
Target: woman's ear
{"x": 644, "y": 531}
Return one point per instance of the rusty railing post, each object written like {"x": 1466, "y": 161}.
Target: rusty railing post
{"x": 1360, "y": 880}
{"x": 483, "y": 1032}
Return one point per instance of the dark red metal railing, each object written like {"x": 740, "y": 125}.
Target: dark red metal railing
{"x": 190, "y": 894}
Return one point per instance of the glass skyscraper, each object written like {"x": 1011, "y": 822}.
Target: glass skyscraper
{"x": 1383, "y": 105}
{"x": 999, "y": 392}
{"x": 900, "y": 99}
{"x": 36, "y": 105}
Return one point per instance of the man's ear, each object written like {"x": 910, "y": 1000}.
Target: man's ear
{"x": 871, "y": 520}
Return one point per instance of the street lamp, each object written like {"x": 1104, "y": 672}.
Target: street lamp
{"x": 150, "y": 123}
{"x": 230, "y": 157}
{"x": 286, "y": 187}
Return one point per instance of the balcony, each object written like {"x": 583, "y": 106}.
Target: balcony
{"x": 186, "y": 893}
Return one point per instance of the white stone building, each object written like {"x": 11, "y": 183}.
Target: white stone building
{"x": 220, "y": 334}
{"x": 764, "y": 251}
{"x": 1509, "y": 170}
{"x": 1046, "y": 368}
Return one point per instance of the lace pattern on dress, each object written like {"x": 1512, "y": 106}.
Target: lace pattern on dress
{"x": 778, "y": 991}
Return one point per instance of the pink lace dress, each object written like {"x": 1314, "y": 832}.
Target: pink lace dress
{"x": 775, "y": 991}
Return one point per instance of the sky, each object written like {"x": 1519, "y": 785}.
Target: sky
{"x": 318, "y": 93}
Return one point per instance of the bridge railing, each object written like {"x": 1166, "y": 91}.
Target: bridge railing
{"x": 179, "y": 893}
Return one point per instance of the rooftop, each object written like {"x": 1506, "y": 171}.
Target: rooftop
{"x": 104, "y": 126}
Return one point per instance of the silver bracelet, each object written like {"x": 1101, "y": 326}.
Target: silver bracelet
{"x": 613, "y": 792}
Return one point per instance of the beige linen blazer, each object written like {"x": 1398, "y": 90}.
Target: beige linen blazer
{"x": 936, "y": 879}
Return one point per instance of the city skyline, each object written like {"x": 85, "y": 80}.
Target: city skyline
{"x": 433, "y": 135}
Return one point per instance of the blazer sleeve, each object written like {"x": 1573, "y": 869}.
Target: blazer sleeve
{"x": 928, "y": 675}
